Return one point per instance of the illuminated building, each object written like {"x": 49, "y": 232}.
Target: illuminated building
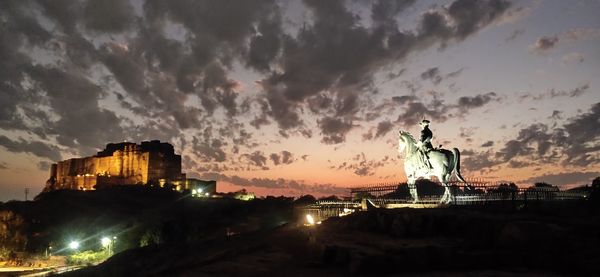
{"x": 126, "y": 163}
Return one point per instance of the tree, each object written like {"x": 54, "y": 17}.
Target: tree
{"x": 305, "y": 200}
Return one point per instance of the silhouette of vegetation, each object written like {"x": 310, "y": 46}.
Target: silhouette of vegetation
{"x": 137, "y": 215}
{"x": 305, "y": 200}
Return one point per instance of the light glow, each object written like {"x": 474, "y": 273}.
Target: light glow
{"x": 310, "y": 219}
{"x": 105, "y": 241}
{"x": 74, "y": 245}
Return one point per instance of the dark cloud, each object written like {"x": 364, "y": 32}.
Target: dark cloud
{"x": 384, "y": 11}
{"x": 466, "y": 102}
{"x": 432, "y": 74}
{"x": 310, "y": 67}
{"x": 208, "y": 149}
{"x": 516, "y": 33}
{"x": 37, "y": 148}
{"x": 284, "y": 157}
{"x": 544, "y": 44}
{"x": 564, "y": 178}
{"x": 43, "y": 166}
{"x": 257, "y": 159}
{"x": 414, "y": 111}
{"x": 575, "y": 144}
{"x": 383, "y": 128}
{"x": 334, "y": 130}
{"x": 554, "y": 93}
{"x": 108, "y": 15}
{"x": 360, "y": 166}
{"x": 297, "y": 186}
{"x": 470, "y": 15}
{"x": 483, "y": 162}
{"x": 582, "y": 140}
{"x": 488, "y": 143}
{"x": 75, "y": 99}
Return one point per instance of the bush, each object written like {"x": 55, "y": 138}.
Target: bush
{"x": 87, "y": 257}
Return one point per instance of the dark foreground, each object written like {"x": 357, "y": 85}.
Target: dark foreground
{"x": 555, "y": 240}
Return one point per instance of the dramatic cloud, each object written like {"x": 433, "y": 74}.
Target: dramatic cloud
{"x": 37, "y": 148}
{"x": 413, "y": 110}
{"x": 575, "y": 144}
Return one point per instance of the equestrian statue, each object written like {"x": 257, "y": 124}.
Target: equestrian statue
{"x": 423, "y": 161}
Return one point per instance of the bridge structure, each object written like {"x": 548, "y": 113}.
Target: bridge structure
{"x": 471, "y": 192}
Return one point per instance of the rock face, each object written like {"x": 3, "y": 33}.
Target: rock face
{"x": 119, "y": 164}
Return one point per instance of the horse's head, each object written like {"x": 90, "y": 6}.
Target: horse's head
{"x": 401, "y": 141}
{"x": 405, "y": 139}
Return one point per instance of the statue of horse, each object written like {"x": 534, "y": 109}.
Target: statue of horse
{"x": 443, "y": 163}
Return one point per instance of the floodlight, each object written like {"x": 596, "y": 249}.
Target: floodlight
{"x": 105, "y": 241}
{"x": 74, "y": 245}
{"x": 310, "y": 219}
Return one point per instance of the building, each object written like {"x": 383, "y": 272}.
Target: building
{"x": 126, "y": 163}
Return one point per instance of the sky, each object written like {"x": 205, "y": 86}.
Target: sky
{"x": 302, "y": 97}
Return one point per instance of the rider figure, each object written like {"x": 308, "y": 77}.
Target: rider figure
{"x": 425, "y": 142}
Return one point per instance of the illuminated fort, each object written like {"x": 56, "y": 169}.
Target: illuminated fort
{"x": 149, "y": 163}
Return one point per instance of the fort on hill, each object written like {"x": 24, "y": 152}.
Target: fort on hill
{"x": 126, "y": 163}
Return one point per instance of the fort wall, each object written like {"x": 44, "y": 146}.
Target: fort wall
{"x": 119, "y": 164}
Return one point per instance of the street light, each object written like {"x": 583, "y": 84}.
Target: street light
{"x": 74, "y": 245}
{"x": 105, "y": 241}
{"x": 310, "y": 219}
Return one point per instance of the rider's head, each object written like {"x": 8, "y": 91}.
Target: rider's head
{"x": 424, "y": 123}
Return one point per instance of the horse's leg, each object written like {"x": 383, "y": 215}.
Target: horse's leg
{"x": 447, "y": 197}
{"x": 412, "y": 188}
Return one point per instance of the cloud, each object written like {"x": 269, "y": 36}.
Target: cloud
{"x": 467, "y": 103}
{"x": 554, "y": 93}
{"x": 37, "y": 148}
{"x": 43, "y": 165}
{"x": 564, "y": 178}
{"x": 208, "y": 149}
{"x": 413, "y": 110}
{"x": 284, "y": 157}
{"x": 108, "y": 16}
{"x": 432, "y": 74}
{"x": 516, "y": 33}
{"x": 257, "y": 159}
{"x": 334, "y": 130}
{"x": 575, "y": 145}
{"x": 280, "y": 183}
{"x": 360, "y": 166}
{"x": 309, "y": 67}
{"x": 488, "y": 143}
{"x": 544, "y": 44}
{"x": 582, "y": 33}
{"x": 572, "y": 58}
{"x": 383, "y": 128}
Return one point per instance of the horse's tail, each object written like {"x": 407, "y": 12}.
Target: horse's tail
{"x": 457, "y": 164}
